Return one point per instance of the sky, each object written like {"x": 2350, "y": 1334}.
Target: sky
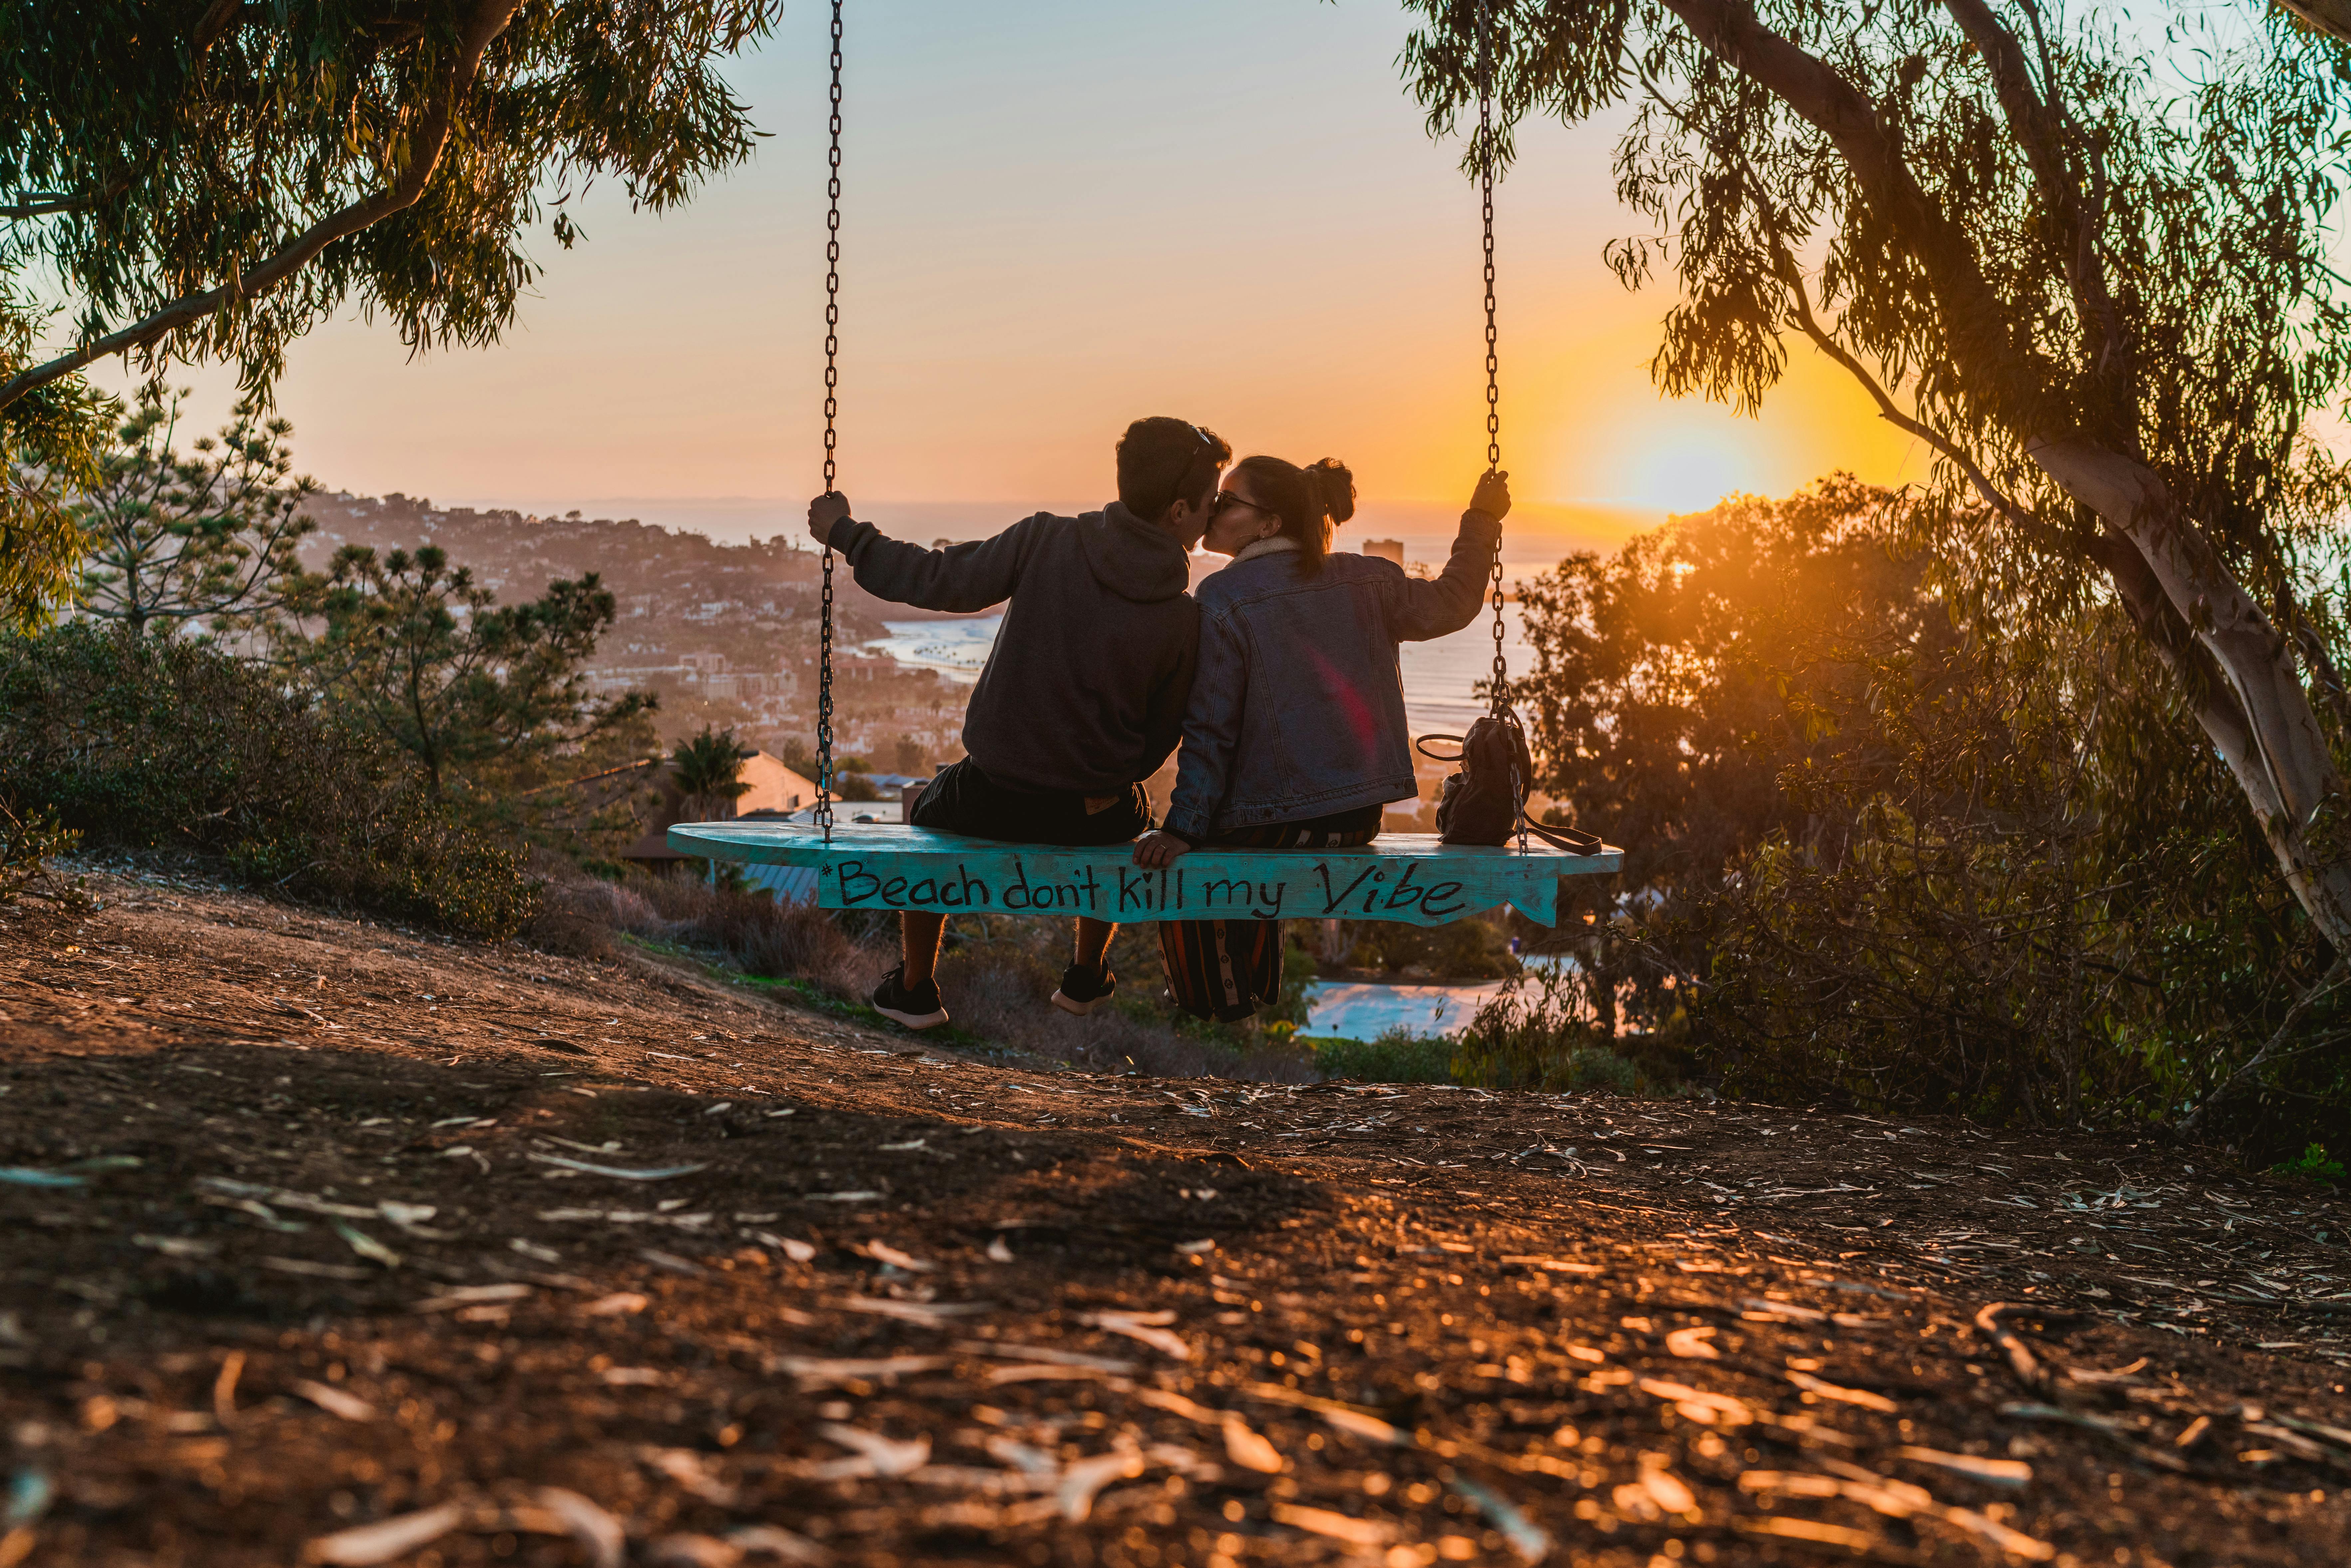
{"x": 1059, "y": 217}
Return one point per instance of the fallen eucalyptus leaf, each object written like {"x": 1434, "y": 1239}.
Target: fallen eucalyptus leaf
{"x": 589, "y": 1525}
{"x": 659, "y": 1173}
{"x": 366, "y": 1245}
{"x": 882, "y": 1456}
{"x": 1690, "y": 1344}
{"x": 930, "y": 1315}
{"x": 1337, "y": 1526}
{"x": 1249, "y": 1450}
{"x": 1143, "y": 1326}
{"x": 1527, "y": 1539}
{"x": 776, "y": 1542}
{"x": 1084, "y": 1481}
{"x": 366, "y": 1544}
{"x": 470, "y": 1295}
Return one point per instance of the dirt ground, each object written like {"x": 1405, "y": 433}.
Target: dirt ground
{"x": 329, "y": 1242}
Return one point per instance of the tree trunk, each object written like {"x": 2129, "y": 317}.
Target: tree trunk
{"x": 2180, "y": 594}
{"x": 2271, "y": 741}
{"x": 2329, "y": 16}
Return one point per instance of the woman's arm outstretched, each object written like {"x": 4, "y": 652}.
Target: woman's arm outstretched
{"x": 1421, "y": 607}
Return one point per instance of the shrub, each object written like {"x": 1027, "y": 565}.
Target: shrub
{"x": 27, "y": 843}
{"x": 1549, "y": 1036}
{"x": 1909, "y": 839}
{"x": 1398, "y": 1055}
{"x": 744, "y": 928}
{"x": 2313, "y": 1165}
{"x": 149, "y": 743}
{"x": 1467, "y": 950}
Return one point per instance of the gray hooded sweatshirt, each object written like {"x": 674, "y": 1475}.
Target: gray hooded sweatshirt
{"x": 1084, "y": 690}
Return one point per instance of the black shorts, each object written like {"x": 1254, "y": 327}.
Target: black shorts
{"x": 963, "y": 799}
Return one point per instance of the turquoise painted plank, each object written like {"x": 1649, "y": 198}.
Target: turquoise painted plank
{"x": 1405, "y": 877}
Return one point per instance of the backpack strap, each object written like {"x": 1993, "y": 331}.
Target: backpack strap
{"x": 1575, "y": 840}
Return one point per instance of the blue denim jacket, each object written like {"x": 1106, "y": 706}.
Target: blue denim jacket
{"x": 1297, "y": 709}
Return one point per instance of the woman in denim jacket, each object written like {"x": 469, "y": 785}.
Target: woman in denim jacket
{"x": 1295, "y": 735}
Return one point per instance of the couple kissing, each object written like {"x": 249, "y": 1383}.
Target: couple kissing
{"x": 1279, "y": 678}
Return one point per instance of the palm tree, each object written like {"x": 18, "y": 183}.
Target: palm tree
{"x": 708, "y": 769}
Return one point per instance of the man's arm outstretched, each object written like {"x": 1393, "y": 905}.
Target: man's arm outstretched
{"x": 965, "y": 577}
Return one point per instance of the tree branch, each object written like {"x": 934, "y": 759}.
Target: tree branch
{"x": 217, "y": 20}
{"x": 2274, "y": 747}
{"x": 425, "y": 144}
{"x": 1987, "y": 349}
{"x": 2324, "y": 673}
{"x": 44, "y": 204}
{"x": 2327, "y": 984}
{"x": 2329, "y": 16}
{"x": 2039, "y": 124}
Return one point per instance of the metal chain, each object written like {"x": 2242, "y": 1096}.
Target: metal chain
{"x": 1493, "y": 358}
{"x": 1501, "y": 685}
{"x": 832, "y": 409}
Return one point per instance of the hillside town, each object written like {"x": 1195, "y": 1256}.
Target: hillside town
{"x": 724, "y": 634}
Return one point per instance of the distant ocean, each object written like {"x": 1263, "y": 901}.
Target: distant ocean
{"x": 1437, "y": 677}
{"x": 1538, "y": 532}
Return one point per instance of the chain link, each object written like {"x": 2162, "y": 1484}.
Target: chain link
{"x": 831, "y": 411}
{"x": 1500, "y": 693}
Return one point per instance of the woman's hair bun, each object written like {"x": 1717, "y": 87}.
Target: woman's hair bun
{"x": 1334, "y": 487}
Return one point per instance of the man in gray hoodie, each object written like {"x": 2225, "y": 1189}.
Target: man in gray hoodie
{"x": 1083, "y": 695}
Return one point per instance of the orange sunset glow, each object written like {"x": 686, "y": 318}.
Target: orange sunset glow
{"x": 1055, "y": 220}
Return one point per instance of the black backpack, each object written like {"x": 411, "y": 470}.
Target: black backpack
{"x": 1486, "y": 801}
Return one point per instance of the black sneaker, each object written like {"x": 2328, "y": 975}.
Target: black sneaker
{"x": 916, "y": 1006}
{"x": 1083, "y": 990}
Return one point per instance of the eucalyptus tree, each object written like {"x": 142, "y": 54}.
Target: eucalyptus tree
{"x": 2080, "y": 254}
{"x": 206, "y": 180}
{"x": 208, "y": 537}
{"x": 2327, "y": 15}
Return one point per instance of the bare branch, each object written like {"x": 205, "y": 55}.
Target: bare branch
{"x": 42, "y": 204}
{"x": 2326, "y": 986}
{"x": 217, "y": 20}
{"x": 426, "y": 145}
{"x": 2329, "y": 16}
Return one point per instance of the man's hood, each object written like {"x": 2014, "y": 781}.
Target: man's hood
{"x": 1131, "y": 558}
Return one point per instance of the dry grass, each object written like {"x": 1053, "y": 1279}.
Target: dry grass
{"x": 748, "y": 931}
{"x": 999, "y": 979}
{"x": 997, "y": 975}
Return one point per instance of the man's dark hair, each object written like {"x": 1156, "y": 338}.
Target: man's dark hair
{"x": 1164, "y": 461}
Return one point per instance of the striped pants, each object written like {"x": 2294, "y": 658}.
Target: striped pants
{"x": 1227, "y": 969}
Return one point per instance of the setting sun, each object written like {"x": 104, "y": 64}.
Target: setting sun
{"x": 1683, "y": 470}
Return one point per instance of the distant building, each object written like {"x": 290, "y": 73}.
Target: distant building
{"x": 1385, "y": 550}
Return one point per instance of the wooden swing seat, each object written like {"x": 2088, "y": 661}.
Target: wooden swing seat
{"x": 1405, "y": 877}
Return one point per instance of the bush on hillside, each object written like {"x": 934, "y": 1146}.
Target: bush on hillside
{"x": 1546, "y": 1031}
{"x": 1903, "y": 842}
{"x": 154, "y": 743}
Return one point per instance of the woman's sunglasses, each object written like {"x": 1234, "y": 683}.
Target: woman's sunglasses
{"x": 1229, "y": 498}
